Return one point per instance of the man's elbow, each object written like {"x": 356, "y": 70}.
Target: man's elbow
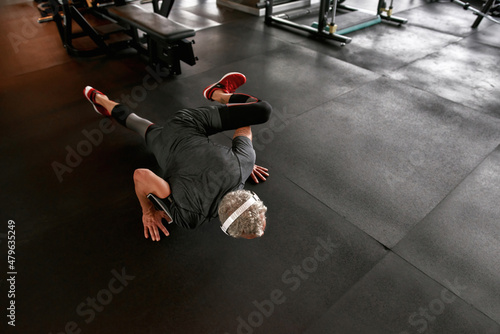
{"x": 140, "y": 174}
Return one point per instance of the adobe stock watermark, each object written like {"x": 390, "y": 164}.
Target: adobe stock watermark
{"x": 89, "y": 308}
{"x": 275, "y": 125}
{"x": 94, "y": 137}
{"x": 292, "y": 278}
{"x": 151, "y": 81}
{"x": 29, "y": 29}
{"x": 74, "y": 156}
{"x": 420, "y": 320}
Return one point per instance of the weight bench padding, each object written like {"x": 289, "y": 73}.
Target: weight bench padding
{"x": 151, "y": 23}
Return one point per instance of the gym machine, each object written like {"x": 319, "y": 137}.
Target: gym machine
{"x": 483, "y": 13}
{"x": 352, "y": 19}
{"x": 66, "y": 14}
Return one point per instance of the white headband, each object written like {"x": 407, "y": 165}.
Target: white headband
{"x": 238, "y": 212}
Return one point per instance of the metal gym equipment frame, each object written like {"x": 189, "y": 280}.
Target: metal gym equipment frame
{"x": 327, "y": 10}
{"x": 71, "y": 15}
{"x": 483, "y": 13}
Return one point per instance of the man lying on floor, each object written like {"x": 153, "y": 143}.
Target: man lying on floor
{"x": 201, "y": 180}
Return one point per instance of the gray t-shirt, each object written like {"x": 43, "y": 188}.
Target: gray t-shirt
{"x": 199, "y": 171}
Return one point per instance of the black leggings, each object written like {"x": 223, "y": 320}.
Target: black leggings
{"x": 242, "y": 110}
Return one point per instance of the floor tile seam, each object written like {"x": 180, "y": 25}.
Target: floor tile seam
{"x": 337, "y": 213}
{"x": 342, "y": 94}
{"x": 355, "y": 284}
{"x": 338, "y": 96}
{"x": 436, "y": 30}
{"x": 456, "y": 42}
{"x": 409, "y": 84}
{"x": 444, "y": 287}
{"x": 441, "y": 285}
{"x": 421, "y": 221}
{"x": 324, "y": 53}
{"x": 364, "y": 277}
{"x": 299, "y": 43}
{"x": 487, "y": 44}
{"x": 302, "y": 113}
{"x": 475, "y": 109}
{"x": 429, "y": 54}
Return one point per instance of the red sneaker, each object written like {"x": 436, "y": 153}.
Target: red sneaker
{"x": 229, "y": 83}
{"x": 90, "y": 93}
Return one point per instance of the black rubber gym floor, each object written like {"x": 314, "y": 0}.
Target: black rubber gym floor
{"x": 383, "y": 212}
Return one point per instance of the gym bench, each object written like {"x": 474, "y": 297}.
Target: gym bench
{"x": 163, "y": 41}
{"x": 166, "y": 41}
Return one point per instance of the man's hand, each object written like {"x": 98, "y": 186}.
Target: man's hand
{"x": 152, "y": 222}
{"x": 259, "y": 172}
{"x": 146, "y": 182}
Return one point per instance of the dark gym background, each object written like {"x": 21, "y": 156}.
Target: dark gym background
{"x": 383, "y": 196}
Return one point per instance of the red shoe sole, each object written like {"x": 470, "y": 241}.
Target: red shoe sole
{"x": 231, "y": 81}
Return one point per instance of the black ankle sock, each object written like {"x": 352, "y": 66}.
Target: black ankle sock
{"x": 121, "y": 113}
{"x": 242, "y": 98}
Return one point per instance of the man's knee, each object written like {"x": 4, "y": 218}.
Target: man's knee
{"x": 265, "y": 111}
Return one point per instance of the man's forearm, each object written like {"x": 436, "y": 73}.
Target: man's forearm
{"x": 141, "y": 194}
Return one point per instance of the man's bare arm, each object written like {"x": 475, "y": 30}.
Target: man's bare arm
{"x": 146, "y": 182}
{"x": 258, "y": 172}
{"x": 245, "y": 131}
